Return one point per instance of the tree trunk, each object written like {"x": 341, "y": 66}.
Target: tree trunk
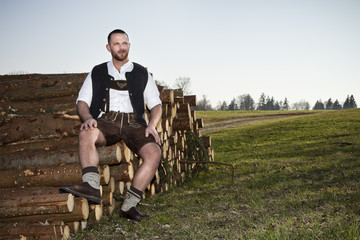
{"x": 38, "y": 127}
{"x": 182, "y": 124}
{"x": 35, "y": 231}
{"x": 36, "y": 205}
{"x": 41, "y": 177}
{"x": 167, "y": 96}
{"x": 122, "y": 172}
{"x": 64, "y": 154}
{"x": 191, "y": 100}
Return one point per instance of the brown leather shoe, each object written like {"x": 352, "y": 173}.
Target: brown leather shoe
{"x": 82, "y": 190}
{"x": 133, "y": 214}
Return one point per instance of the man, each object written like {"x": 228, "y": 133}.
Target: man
{"x": 111, "y": 106}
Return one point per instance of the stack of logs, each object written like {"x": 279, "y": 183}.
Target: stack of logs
{"x": 38, "y": 145}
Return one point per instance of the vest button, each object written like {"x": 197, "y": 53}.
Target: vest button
{"x": 104, "y": 99}
{"x": 107, "y": 89}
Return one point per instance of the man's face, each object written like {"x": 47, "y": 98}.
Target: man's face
{"x": 119, "y": 46}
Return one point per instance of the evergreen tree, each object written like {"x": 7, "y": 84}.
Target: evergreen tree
{"x": 277, "y": 106}
{"x": 336, "y": 105}
{"x": 232, "y": 105}
{"x": 222, "y": 106}
{"x": 346, "y": 104}
{"x": 285, "y": 106}
{"x": 262, "y": 102}
{"x": 270, "y": 103}
{"x": 329, "y": 104}
{"x": 352, "y": 102}
{"x": 319, "y": 105}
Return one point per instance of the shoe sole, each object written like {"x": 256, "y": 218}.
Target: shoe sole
{"x": 90, "y": 199}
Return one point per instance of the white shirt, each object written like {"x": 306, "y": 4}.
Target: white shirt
{"x": 120, "y": 100}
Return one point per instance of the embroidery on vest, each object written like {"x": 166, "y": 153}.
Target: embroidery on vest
{"x": 119, "y": 85}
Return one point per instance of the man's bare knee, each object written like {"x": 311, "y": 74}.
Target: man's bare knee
{"x": 91, "y": 137}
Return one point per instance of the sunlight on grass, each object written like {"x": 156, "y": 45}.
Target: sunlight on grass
{"x": 296, "y": 178}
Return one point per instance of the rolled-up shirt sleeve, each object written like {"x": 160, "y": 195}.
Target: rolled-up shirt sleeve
{"x": 85, "y": 93}
{"x": 151, "y": 93}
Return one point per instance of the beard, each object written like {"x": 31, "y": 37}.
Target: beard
{"x": 120, "y": 56}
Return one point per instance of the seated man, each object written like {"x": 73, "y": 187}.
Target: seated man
{"x": 111, "y": 107}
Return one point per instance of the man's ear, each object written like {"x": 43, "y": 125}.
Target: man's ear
{"x": 108, "y": 47}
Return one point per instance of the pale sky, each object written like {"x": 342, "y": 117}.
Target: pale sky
{"x": 299, "y": 49}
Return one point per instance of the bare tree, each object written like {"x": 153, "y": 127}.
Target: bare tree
{"x": 246, "y": 102}
{"x": 184, "y": 83}
{"x": 203, "y": 104}
{"x": 301, "y": 105}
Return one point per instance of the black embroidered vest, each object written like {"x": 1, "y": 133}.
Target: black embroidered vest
{"x": 136, "y": 82}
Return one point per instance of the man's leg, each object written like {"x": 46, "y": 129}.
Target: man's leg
{"x": 89, "y": 160}
{"x": 150, "y": 153}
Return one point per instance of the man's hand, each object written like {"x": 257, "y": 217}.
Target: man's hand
{"x": 89, "y": 123}
{"x": 151, "y": 130}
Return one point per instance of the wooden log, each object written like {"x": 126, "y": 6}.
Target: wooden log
{"x": 191, "y": 100}
{"x": 164, "y": 109}
{"x": 33, "y": 158}
{"x": 122, "y": 172}
{"x": 35, "y": 231}
{"x": 40, "y": 87}
{"x": 48, "y": 177}
{"x": 59, "y": 155}
{"x": 123, "y": 153}
{"x": 193, "y": 115}
{"x": 74, "y": 226}
{"x": 200, "y": 122}
{"x": 104, "y": 172}
{"x": 184, "y": 111}
{"x": 37, "y": 106}
{"x": 178, "y": 96}
{"x": 7, "y": 193}
{"x": 107, "y": 196}
{"x": 96, "y": 213}
{"x": 110, "y": 209}
{"x": 80, "y": 212}
{"x": 167, "y": 96}
{"x": 36, "y": 205}
{"x": 206, "y": 141}
{"x": 182, "y": 124}
{"x": 172, "y": 110}
{"x": 121, "y": 187}
{"x": 41, "y": 177}
{"x": 38, "y": 127}
{"x": 45, "y": 144}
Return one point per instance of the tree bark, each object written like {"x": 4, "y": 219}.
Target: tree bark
{"x": 191, "y": 100}
{"x": 42, "y": 126}
{"x": 122, "y": 172}
{"x": 36, "y": 205}
{"x": 35, "y": 231}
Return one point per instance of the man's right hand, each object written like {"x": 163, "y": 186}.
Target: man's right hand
{"x": 89, "y": 123}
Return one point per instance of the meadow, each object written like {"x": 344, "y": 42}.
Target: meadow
{"x": 296, "y": 177}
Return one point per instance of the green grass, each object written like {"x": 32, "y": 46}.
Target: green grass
{"x": 295, "y": 178}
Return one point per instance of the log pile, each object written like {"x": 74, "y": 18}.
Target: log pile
{"x": 38, "y": 145}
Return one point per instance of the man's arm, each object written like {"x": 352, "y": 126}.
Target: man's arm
{"x": 155, "y": 115}
{"x": 84, "y": 113}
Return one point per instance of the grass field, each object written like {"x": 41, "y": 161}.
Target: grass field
{"x": 295, "y": 178}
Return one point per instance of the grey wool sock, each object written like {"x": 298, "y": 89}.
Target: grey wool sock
{"x": 132, "y": 198}
{"x": 91, "y": 176}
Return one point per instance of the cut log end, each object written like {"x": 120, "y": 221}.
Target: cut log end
{"x": 70, "y": 202}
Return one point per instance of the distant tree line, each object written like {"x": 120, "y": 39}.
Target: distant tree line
{"x": 246, "y": 102}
